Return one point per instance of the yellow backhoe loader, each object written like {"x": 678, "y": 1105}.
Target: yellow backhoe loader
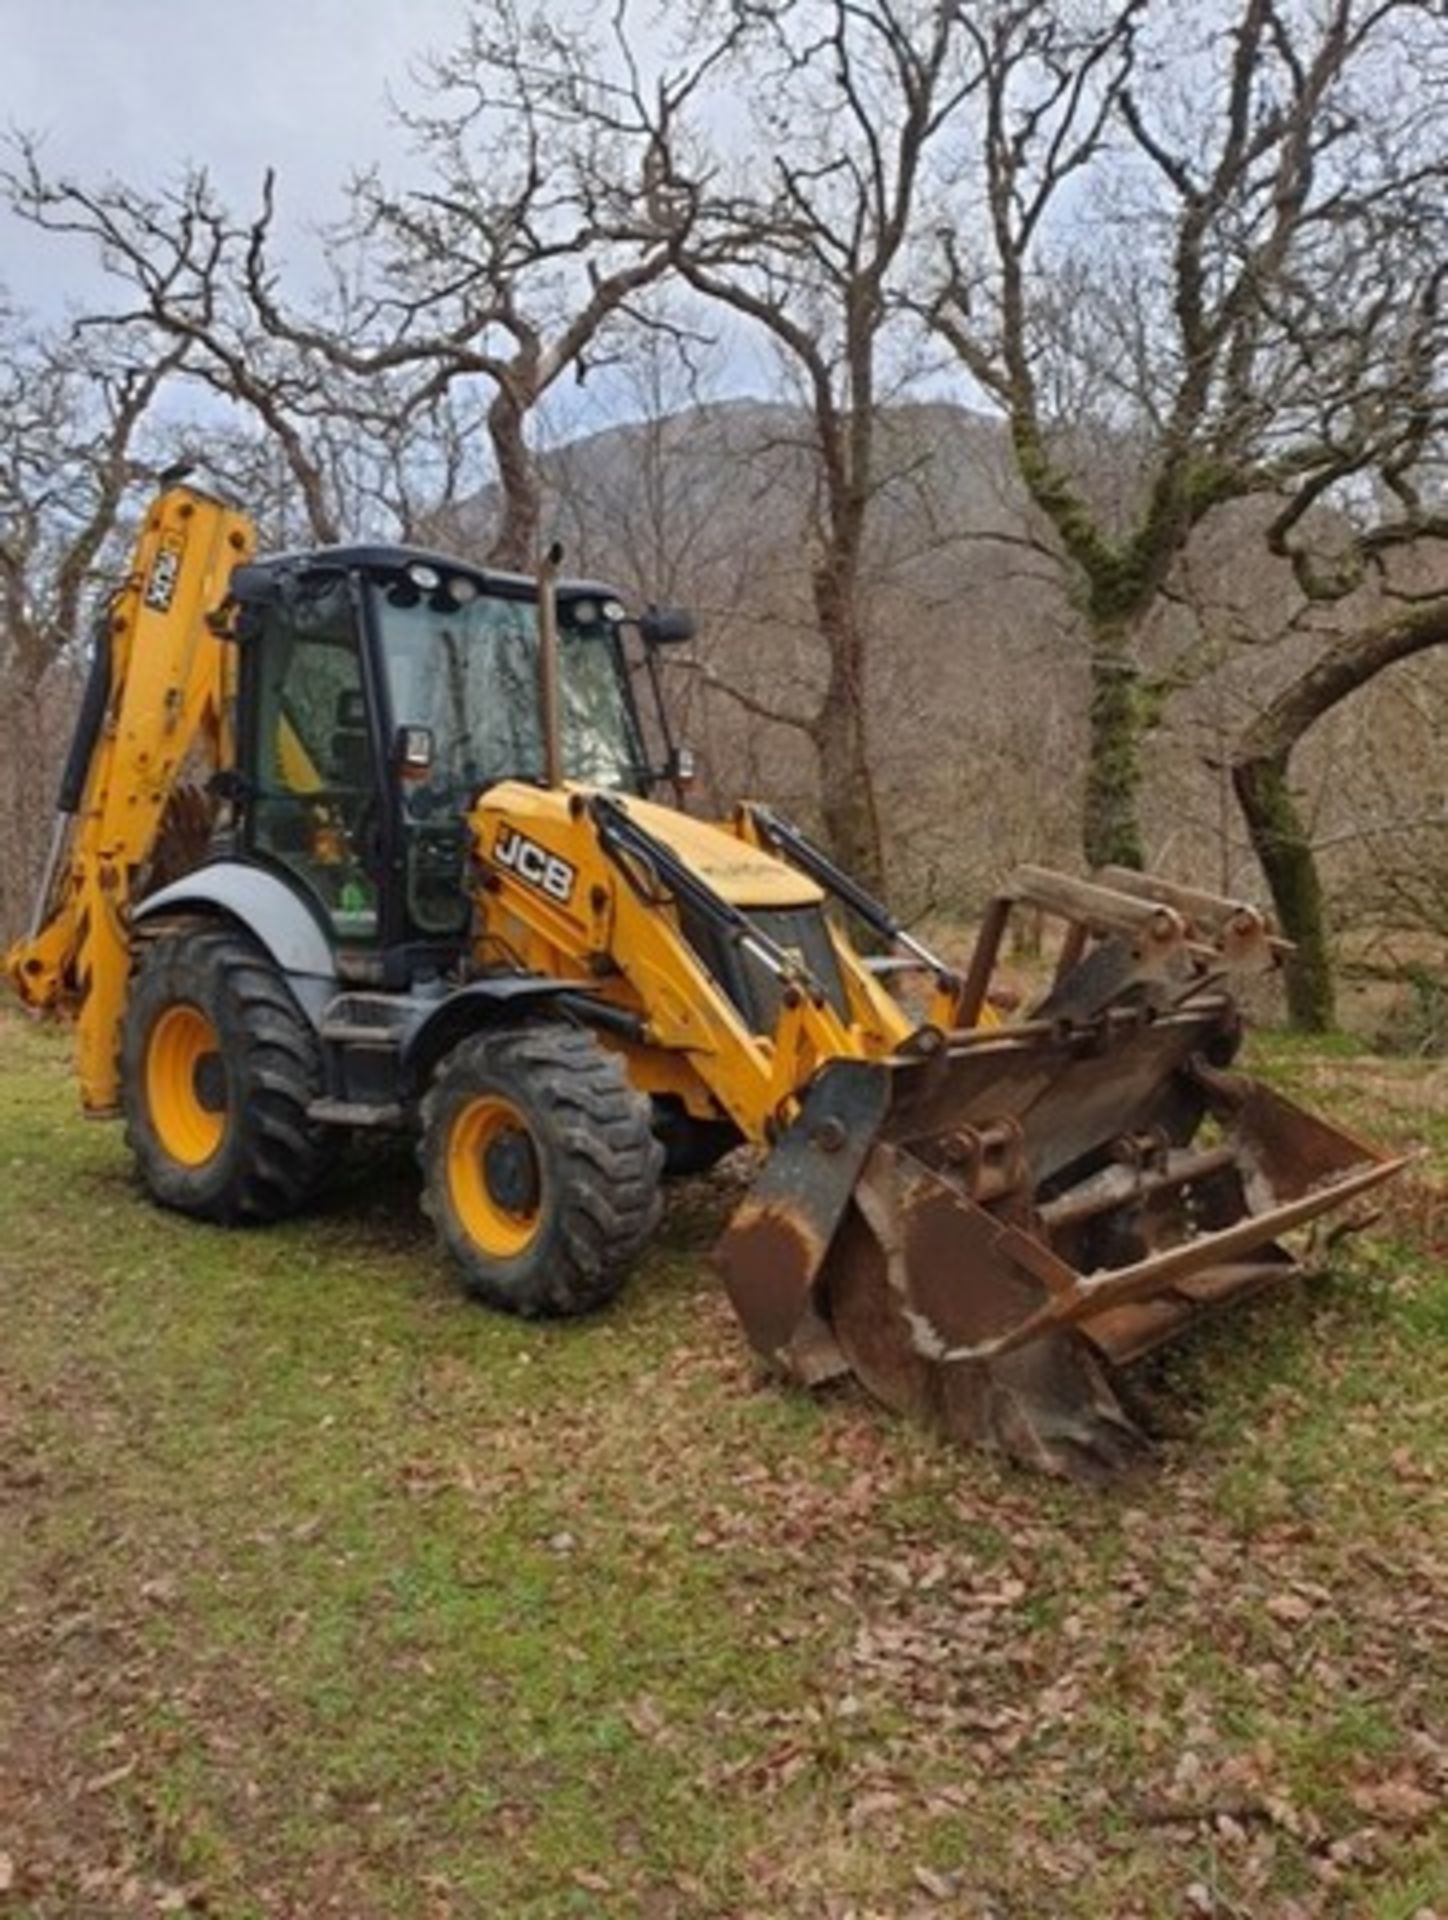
{"x": 365, "y": 838}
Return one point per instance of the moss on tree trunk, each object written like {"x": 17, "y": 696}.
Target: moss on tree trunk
{"x": 1260, "y": 771}
{"x": 1281, "y": 844}
{"x": 1110, "y": 827}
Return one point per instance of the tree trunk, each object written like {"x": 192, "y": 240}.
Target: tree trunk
{"x": 1280, "y": 841}
{"x": 847, "y": 790}
{"x": 840, "y": 733}
{"x": 1110, "y": 827}
{"x": 515, "y": 545}
{"x": 1260, "y": 769}
{"x": 27, "y": 789}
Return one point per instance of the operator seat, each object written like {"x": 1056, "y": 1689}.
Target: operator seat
{"x": 350, "y": 749}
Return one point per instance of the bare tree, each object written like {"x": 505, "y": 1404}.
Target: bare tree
{"x": 543, "y": 214}
{"x": 1154, "y": 213}
{"x": 806, "y": 243}
{"x": 178, "y": 256}
{"x": 1405, "y": 614}
{"x": 543, "y": 217}
{"x": 72, "y": 416}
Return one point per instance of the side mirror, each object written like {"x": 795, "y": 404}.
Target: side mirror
{"x": 252, "y": 592}
{"x": 681, "y": 768}
{"x": 665, "y": 626}
{"x": 412, "y": 752}
{"x": 253, "y": 586}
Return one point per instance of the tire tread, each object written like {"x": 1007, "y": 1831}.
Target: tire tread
{"x": 277, "y": 1161}
{"x": 609, "y": 1166}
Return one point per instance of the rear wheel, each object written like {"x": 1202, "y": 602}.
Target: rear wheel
{"x": 540, "y": 1168}
{"x": 218, "y": 1067}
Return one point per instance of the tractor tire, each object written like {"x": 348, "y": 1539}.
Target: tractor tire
{"x": 218, "y": 1067}
{"x": 540, "y": 1169}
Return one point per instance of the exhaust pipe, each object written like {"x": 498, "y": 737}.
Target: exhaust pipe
{"x": 550, "y": 700}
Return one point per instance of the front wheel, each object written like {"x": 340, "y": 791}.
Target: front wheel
{"x": 540, "y": 1168}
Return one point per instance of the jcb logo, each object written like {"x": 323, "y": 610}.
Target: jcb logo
{"x": 165, "y": 571}
{"x": 535, "y": 864}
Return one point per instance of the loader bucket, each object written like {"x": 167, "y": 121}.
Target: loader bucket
{"x": 986, "y": 1231}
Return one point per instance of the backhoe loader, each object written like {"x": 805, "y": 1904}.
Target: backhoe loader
{"x": 370, "y": 837}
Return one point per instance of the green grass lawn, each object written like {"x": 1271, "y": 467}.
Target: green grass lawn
{"x": 326, "y": 1593}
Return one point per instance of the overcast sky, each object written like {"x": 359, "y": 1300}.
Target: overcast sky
{"x": 141, "y": 88}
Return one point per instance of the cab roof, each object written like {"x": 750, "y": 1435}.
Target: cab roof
{"x": 374, "y": 557}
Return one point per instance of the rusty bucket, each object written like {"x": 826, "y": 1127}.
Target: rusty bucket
{"x": 986, "y": 1228}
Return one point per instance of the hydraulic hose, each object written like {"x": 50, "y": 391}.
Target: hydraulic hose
{"x": 88, "y": 720}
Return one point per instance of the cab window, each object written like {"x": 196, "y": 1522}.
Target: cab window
{"x": 463, "y": 664}
{"x": 316, "y": 795}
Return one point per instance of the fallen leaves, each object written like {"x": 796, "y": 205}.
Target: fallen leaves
{"x": 104, "y": 1782}
{"x": 1292, "y": 1608}
{"x": 940, "y": 1886}
{"x": 773, "y": 1659}
{"x": 1398, "y": 1801}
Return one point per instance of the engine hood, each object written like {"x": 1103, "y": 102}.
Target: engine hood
{"x": 736, "y": 871}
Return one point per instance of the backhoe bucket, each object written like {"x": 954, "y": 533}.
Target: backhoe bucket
{"x": 985, "y": 1231}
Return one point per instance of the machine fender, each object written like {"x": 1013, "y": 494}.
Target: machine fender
{"x": 264, "y": 906}
{"x": 482, "y": 1003}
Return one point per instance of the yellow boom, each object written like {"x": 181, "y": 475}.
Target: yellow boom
{"x": 168, "y": 680}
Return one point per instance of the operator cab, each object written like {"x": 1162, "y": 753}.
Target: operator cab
{"x": 382, "y": 690}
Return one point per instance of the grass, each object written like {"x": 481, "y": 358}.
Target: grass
{"x": 322, "y": 1592}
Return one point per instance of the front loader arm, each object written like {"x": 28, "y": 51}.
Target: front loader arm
{"x": 160, "y": 696}
{"x": 578, "y": 884}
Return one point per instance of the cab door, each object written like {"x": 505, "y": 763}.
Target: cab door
{"x": 315, "y": 788}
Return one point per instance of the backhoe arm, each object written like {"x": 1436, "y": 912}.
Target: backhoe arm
{"x": 156, "y": 708}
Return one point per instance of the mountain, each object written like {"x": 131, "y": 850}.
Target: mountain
{"x": 973, "y": 684}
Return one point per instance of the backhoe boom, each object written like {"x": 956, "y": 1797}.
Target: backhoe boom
{"x": 168, "y": 680}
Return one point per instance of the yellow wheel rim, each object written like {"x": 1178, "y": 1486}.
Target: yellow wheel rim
{"x": 493, "y": 1176}
{"x": 186, "y": 1086}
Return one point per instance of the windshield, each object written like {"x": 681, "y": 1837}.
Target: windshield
{"x": 469, "y": 673}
